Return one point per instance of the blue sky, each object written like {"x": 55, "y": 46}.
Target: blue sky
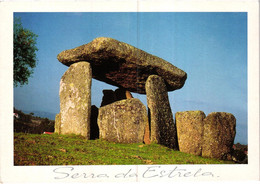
{"x": 210, "y": 47}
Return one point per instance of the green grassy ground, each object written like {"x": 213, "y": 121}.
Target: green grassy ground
{"x": 42, "y": 149}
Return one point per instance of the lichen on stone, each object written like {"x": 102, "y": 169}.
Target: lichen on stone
{"x": 123, "y": 65}
{"x": 163, "y": 130}
{"x": 123, "y": 121}
{"x": 75, "y": 99}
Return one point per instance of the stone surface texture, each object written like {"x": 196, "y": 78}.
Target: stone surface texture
{"x": 123, "y": 65}
{"x": 123, "y": 121}
{"x": 75, "y": 100}
{"x": 189, "y": 126}
{"x": 219, "y": 134}
{"x": 163, "y": 129}
{"x": 57, "y": 124}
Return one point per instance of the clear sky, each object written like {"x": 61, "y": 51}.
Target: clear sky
{"x": 210, "y": 47}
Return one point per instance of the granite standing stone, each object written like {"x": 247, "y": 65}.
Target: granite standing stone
{"x": 219, "y": 135}
{"x": 123, "y": 121}
{"x": 163, "y": 130}
{"x": 57, "y": 124}
{"x": 123, "y": 65}
{"x": 75, "y": 100}
{"x": 190, "y": 131}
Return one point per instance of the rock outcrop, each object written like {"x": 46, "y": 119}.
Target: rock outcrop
{"x": 123, "y": 121}
{"x": 75, "y": 100}
{"x": 190, "y": 131}
{"x": 219, "y": 134}
{"x": 123, "y": 65}
{"x": 163, "y": 130}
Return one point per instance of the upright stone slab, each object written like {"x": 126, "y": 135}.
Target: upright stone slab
{"x": 123, "y": 121}
{"x": 163, "y": 130}
{"x": 190, "y": 131}
{"x": 75, "y": 100}
{"x": 219, "y": 135}
{"x": 57, "y": 124}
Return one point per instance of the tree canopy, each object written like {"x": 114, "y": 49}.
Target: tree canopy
{"x": 24, "y": 53}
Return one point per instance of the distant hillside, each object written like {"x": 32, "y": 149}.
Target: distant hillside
{"x": 29, "y": 123}
{"x": 42, "y": 114}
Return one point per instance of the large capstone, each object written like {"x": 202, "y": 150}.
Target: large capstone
{"x": 219, "y": 134}
{"x": 123, "y": 65}
{"x": 75, "y": 100}
{"x": 123, "y": 121}
{"x": 163, "y": 130}
{"x": 190, "y": 131}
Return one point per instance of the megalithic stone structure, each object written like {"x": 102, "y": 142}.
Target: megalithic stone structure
{"x": 123, "y": 65}
{"x": 75, "y": 100}
{"x": 219, "y": 135}
{"x": 123, "y": 121}
{"x": 128, "y": 68}
{"x": 190, "y": 131}
{"x": 123, "y": 118}
{"x": 57, "y": 124}
{"x": 163, "y": 130}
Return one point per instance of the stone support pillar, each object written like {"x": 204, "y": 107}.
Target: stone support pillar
{"x": 163, "y": 130}
{"x": 75, "y": 99}
{"x": 57, "y": 124}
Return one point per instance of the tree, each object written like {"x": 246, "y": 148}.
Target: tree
{"x": 24, "y": 53}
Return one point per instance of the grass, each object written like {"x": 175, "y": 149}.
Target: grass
{"x": 43, "y": 149}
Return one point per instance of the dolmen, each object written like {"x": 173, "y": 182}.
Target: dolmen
{"x": 122, "y": 118}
